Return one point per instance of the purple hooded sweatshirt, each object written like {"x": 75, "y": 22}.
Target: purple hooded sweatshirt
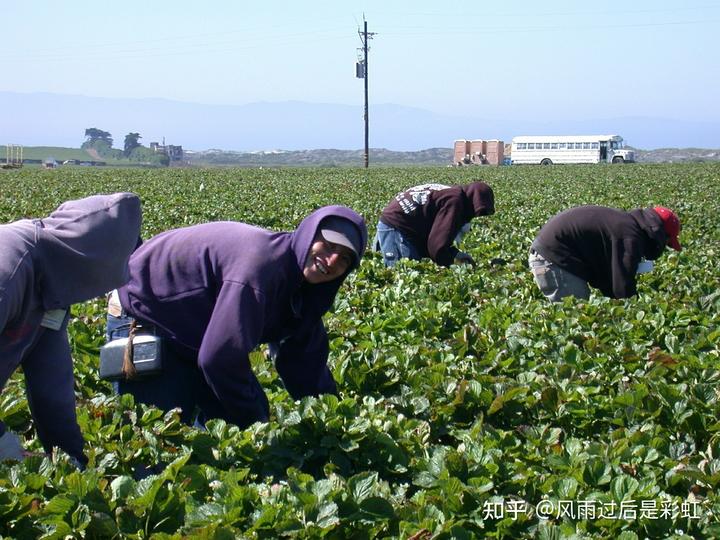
{"x": 218, "y": 290}
{"x": 77, "y": 253}
{"x": 431, "y": 215}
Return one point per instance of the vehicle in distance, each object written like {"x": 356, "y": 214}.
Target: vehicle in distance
{"x": 557, "y": 149}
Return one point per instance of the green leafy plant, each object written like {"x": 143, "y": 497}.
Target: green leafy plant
{"x": 468, "y": 405}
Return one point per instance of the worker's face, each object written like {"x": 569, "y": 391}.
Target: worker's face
{"x": 326, "y": 261}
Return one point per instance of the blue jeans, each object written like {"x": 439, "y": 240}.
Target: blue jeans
{"x": 554, "y": 282}
{"x": 181, "y": 383}
{"x": 393, "y": 245}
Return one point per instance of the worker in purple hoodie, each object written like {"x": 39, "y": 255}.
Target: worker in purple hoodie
{"x": 427, "y": 220}
{"x": 46, "y": 265}
{"x": 215, "y": 291}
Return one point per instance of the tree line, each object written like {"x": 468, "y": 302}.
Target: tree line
{"x": 102, "y": 142}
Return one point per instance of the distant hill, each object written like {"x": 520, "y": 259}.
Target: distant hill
{"x": 677, "y": 155}
{"x": 57, "y": 152}
{"x": 381, "y": 156}
{"x": 321, "y": 158}
{"x": 39, "y": 154}
{"x": 338, "y": 158}
{"x": 35, "y": 119}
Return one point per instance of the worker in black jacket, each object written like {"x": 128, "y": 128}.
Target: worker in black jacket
{"x": 601, "y": 247}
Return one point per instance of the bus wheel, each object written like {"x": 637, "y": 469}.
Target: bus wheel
{"x": 546, "y": 161}
{"x": 618, "y": 159}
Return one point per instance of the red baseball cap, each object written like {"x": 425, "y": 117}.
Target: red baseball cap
{"x": 671, "y": 224}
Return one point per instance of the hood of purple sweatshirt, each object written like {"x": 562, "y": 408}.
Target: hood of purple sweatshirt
{"x": 78, "y": 252}
{"x": 301, "y": 242}
{"x": 304, "y": 235}
{"x": 83, "y": 248}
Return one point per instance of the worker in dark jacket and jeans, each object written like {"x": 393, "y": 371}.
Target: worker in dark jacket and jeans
{"x": 215, "y": 291}
{"x": 78, "y": 252}
{"x": 425, "y": 220}
{"x": 599, "y": 247}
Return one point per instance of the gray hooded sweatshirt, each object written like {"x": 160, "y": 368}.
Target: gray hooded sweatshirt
{"x": 78, "y": 252}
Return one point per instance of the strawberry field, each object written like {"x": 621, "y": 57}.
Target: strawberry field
{"x": 469, "y": 406}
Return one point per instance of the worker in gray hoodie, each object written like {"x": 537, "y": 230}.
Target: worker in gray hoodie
{"x": 80, "y": 251}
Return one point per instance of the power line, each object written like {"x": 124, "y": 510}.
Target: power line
{"x": 178, "y": 45}
{"x": 485, "y": 14}
{"x": 426, "y": 30}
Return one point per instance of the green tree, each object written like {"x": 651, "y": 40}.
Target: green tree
{"x": 104, "y": 150}
{"x": 131, "y": 142}
{"x": 93, "y": 135}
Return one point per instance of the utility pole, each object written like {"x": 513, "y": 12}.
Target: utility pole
{"x": 361, "y": 72}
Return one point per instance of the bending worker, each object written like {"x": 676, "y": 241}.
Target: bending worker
{"x": 213, "y": 292}
{"x": 425, "y": 220}
{"x": 77, "y": 253}
{"x": 600, "y": 247}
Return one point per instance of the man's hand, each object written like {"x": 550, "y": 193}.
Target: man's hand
{"x": 464, "y": 258}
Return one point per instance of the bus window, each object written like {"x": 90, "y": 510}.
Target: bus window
{"x": 595, "y": 146}
{"x": 554, "y": 146}
{"x": 586, "y": 146}
{"x": 563, "y": 145}
{"x": 546, "y": 146}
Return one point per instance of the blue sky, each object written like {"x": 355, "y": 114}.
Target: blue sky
{"x": 549, "y": 59}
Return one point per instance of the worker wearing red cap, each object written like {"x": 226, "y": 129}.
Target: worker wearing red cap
{"x": 600, "y": 247}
